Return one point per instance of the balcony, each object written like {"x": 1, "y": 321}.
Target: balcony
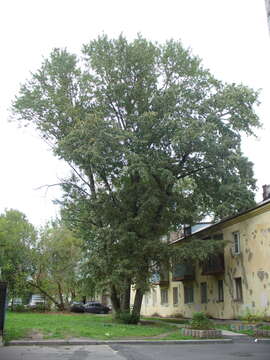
{"x": 183, "y": 272}
{"x": 214, "y": 265}
{"x": 160, "y": 279}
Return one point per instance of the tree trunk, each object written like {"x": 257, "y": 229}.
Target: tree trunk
{"x": 62, "y": 304}
{"x": 46, "y": 294}
{"x": 137, "y": 302}
{"x": 125, "y": 300}
{"x": 115, "y": 299}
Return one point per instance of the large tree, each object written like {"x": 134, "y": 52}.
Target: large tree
{"x": 154, "y": 140}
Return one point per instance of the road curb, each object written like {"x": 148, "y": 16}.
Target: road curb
{"x": 115, "y": 342}
{"x": 267, "y": 341}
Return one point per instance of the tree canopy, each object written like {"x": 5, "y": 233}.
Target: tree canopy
{"x": 153, "y": 140}
{"x": 57, "y": 265}
{"x": 17, "y": 238}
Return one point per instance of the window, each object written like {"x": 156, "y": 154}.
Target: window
{"x": 175, "y": 295}
{"x": 147, "y": 297}
{"x": 220, "y": 290}
{"x": 164, "y": 296}
{"x": 238, "y": 289}
{"x": 188, "y": 294}
{"x": 154, "y": 297}
{"x": 236, "y": 243}
{"x": 204, "y": 293}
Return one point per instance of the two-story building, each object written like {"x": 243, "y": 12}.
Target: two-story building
{"x": 229, "y": 285}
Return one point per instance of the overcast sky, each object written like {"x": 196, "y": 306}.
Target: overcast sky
{"x": 230, "y": 36}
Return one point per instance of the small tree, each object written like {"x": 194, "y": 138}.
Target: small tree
{"x": 57, "y": 263}
{"x": 17, "y": 239}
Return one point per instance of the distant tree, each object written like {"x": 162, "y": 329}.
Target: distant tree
{"x": 57, "y": 263}
{"x": 17, "y": 239}
{"x": 154, "y": 140}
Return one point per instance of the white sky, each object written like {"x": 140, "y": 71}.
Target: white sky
{"x": 230, "y": 36}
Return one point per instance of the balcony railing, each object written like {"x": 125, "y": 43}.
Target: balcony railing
{"x": 183, "y": 272}
{"x": 160, "y": 279}
{"x": 214, "y": 265}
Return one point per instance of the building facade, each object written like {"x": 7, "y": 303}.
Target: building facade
{"x": 229, "y": 285}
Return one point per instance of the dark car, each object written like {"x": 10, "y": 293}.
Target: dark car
{"x": 77, "y": 307}
{"x": 96, "y": 308}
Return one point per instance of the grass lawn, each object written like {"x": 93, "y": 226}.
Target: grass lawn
{"x": 168, "y": 320}
{"x": 61, "y": 326}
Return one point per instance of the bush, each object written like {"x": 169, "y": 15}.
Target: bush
{"x": 253, "y": 317}
{"x": 40, "y": 308}
{"x": 19, "y": 308}
{"x": 127, "y": 318}
{"x": 201, "y": 322}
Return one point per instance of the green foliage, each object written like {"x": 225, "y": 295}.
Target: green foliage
{"x": 201, "y": 322}
{"x": 252, "y": 317}
{"x": 58, "y": 255}
{"x": 40, "y": 308}
{"x": 19, "y": 308}
{"x": 125, "y": 317}
{"x": 153, "y": 140}
{"x": 17, "y": 240}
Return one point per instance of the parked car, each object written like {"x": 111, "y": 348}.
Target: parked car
{"x": 96, "y": 308}
{"x": 77, "y": 307}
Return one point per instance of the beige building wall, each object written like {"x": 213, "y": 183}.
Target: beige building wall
{"x": 249, "y": 270}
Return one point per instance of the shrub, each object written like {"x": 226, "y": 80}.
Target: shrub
{"x": 201, "y": 322}
{"x": 40, "y": 308}
{"x": 127, "y": 318}
{"x": 252, "y": 317}
{"x": 19, "y": 308}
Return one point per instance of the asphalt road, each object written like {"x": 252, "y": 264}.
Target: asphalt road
{"x": 195, "y": 352}
{"x": 241, "y": 350}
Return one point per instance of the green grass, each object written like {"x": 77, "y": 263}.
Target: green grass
{"x": 167, "y": 320}
{"x": 61, "y": 326}
{"x": 265, "y": 327}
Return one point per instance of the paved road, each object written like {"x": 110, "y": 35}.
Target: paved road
{"x": 235, "y": 351}
{"x": 87, "y": 352}
{"x": 196, "y": 352}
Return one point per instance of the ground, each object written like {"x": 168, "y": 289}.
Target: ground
{"x": 239, "y": 350}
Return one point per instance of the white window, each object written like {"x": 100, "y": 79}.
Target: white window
{"x": 238, "y": 289}
{"x": 188, "y": 294}
{"x": 147, "y": 297}
{"x": 220, "y": 291}
{"x": 236, "y": 243}
{"x": 154, "y": 297}
{"x": 175, "y": 295}
{"x": 204, "y": 293}
{"x": 164, "y": 296}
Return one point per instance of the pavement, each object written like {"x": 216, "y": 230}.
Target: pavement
{"x": 90, "y": 352}
{"x": 134, "y": 351}
{"x": 232, "y": 346}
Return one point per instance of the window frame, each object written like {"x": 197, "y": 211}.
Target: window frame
{"x": 238, "y": 289}
{"x": 220, "y": 285}
{"x": 203, "y": 289}
{"x": 175, "y": 295}
{"x": 164, "y": 300}
{"x": 188, "y": 294}
{"x": 236, "y": 243}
